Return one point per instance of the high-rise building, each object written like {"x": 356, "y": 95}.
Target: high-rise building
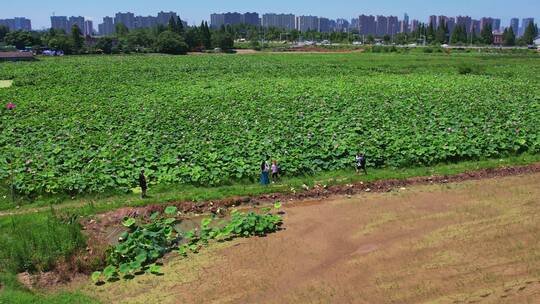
{"x": 415, "y": 24}
{"x": 393, "y": 25}
{"x": 145, "y": 21}
{"x": 273, "y": 20}
{"x": 496, "y": 25}
{"x": 324, "y": 25}
{"x": 127, "y": 19}
{"x": 107, "y": 27}
{"x": 367, "y": 25}
{"x": 451, "y": 24}
{"x": 475, "y": 25}
{"x": 60, "y": 23}
{"x": 404, "y": 28}
{"x": 10, "y": 23}
{"x": 465, "y": 21}
{"x": 88, "y": 28}
{"x": 342, "y": 26}
{"x": 218, "y": 20}
{"x": 382, "y": 26}
{"x": 251, "y": 19}
{"x": 432, "y": 21}
{"x": 282, "y": 21}
{"x": 514, "y": 24}
{"x": 524, "y": 23}
{"x": 17, "y": 24}
{"x": 355, "y": 23}
{"x": 233, "y": 18}
{"x": 78, "y": 21}
{"x": 485, "y": 22}
{"x": 442, "y": 20}
{"x": 163, "y": 18}
{"x": 307, "y": 23}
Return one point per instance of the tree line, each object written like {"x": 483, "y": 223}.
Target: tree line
{"x": 460, "y": 36}
{"x": 175, "y": 38}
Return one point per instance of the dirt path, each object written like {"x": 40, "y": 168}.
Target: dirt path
{"x": 472, "y": 242}
{"x": 317, "y": 192}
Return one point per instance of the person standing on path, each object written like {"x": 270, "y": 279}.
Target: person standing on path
{"x": 360, "y": 163}
{"x": 265, "y": 172}
{"x": 275, "y": 171}
{"x": 142, "y": 183}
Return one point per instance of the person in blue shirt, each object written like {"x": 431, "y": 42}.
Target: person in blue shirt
{"x": 360, "y": 163}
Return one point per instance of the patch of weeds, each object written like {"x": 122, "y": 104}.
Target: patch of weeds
{"x": 140, "y": 247}
{"x": 143, "y": 245}
{"x": 35, "y": 242}
{"x": 465, "y": 69}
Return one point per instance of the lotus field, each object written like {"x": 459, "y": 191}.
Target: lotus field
{"x": 89, "y": 124}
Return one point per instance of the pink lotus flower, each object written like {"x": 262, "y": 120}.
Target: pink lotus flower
{"x": 10, "y": 106}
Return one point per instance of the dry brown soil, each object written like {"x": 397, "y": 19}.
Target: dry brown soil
{"x": 470, "y": 242}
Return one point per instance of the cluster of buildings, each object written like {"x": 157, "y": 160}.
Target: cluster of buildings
{"x": 17, "y": 23}
{"x": 108, "y": 27}
{"x": 283, "y": 21}
{"x": 364, "y": 24}
{"x": 471, "y": 25}
{"x": 64, "y": 23}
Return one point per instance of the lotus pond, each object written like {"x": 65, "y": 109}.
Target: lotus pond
{"x": 88, "y": 124}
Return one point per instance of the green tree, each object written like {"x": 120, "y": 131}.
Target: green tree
{"x": 171, "y": 43}
{"x": 473, "y": 38}
{"x": 171, "y": 26}
{"x": 121, "y": 30}
{"x": 531, "y": 32}
{"x": 138, "y": 39}
{"x": 158, "y": 29}
{"x": 193, "y": 37}
{"x": 509, "y": 38}
{"x": 52, "y": 32}
{"x": 430, "y": 32}
{"x": 105, "y": 44}
{"x": 441, "y": 35}
{"x": 459, "y": 35}
{"x": 370, "y": 39}
{"x": 19, "y": 39}
{"x": 180, "y": 26}
{"x": 61, "y": 43}
{"x": 206, "y": 36}
{"x": 486, "y": 35}
{"x": 4, "y": 30}
{"x": 77, "y": 39}
{"x": 176, "y": 25}
{"x": 223, "y": 40}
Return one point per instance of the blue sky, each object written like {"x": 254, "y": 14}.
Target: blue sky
{"x": 39, "y": 11}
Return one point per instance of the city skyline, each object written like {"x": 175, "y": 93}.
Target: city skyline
{"x": 194, "y": 13}
{"x": 365, "y": 24}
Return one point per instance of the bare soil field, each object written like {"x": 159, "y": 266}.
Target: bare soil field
{"x": 470, "y": 242}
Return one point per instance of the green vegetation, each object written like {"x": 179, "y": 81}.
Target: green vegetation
{"x": 141, "y": 246}
{"x": 84, "y": 126}
{"x": 23, "y": 296}
{"x": 34, "y": 242}
{"x": 211, "y": 120}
